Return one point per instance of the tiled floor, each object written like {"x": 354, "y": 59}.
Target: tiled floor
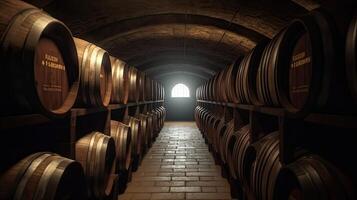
{"x": 178, "y": 166}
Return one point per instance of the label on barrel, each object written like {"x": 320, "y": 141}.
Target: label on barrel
{"x": 50, "y": 74}
{"x": 300, "y": 71}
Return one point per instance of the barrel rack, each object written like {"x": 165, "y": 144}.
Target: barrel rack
{"x": 26, "y": 134}
{"x": 312, "y": 132}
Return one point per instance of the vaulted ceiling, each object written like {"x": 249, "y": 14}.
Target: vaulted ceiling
{"x": 165, "y": 37}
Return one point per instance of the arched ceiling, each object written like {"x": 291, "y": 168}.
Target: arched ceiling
{"x": 166, "y": 37}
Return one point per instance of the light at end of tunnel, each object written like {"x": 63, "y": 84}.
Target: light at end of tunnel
{"x": 180, "y": 90}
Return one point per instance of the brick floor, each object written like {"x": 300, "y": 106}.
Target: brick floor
{"x": 178, "y": 166}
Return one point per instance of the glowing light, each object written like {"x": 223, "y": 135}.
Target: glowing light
{"x": 180, "y": 90}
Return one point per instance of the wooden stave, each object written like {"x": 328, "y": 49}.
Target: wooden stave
{"x": 31, "y": 25}
{"x": 27, "y": 178}
{"x": 90, "y": 91}
{"x": 91, "y": 149}
{"x": 120, "y": 91}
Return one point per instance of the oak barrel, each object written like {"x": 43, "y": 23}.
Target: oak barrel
{"x": 144, "y": 132}
{"x": 141, "y": 77}
{"x": 245, "y": 84}
{"x": 231, "y": 143}
{"x": 120, "y": 81}
{"x": 96, "y": 153}
{"x": 150, "y": 128}
{"x": 39, "y": 67}
{"x": 96, "y": 75}
{"x": 223, "y": 140}
{"x": 136, "y": 139}
{"x": 309, "y": 76}
{"x": 313, "y": 178}
{"x": 230, "y": 80}
{"x": 266, "y": 166}
{"x": 148, "y": 89}
{"x": 239, "y": 152}
{"x": 121, "y": 134}
{"x": 43, "y": 175}
{"x": 134, "y": 92}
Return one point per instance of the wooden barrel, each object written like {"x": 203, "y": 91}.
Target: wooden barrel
{"x": 217, "y": 87}
{"x": 141, "y": 77}
{"x": 121, "y": 134}
{"x": 134, "y": 92}
{"x": 155, "y": 127}
{"x": 150, "y": 128}
{"x": 312, "y": 178}
{"x": 308, "y": 73}
{"x": 43, "y": 175}
{"x": 267, "y": 72}
{"x": 144, "y": 132}
{"x": 210, "y": 88}
{"x": 96, "y": 75}
{"x": 219, "y": 130}
{"x": 162, "y": 92}
{"x": 198, "y": 119}
{"x": 159, "y": 97}
{"x": 221, "y": 86}
{"x": 231, "y": 143}
{"x": 153, "y": 90}
{"x": 230, "y": 80}
{"x": 223, "y": 140}
{"x": 136, "y": 137}
{"x": 212, "y": 129}
{"x": 209, "y": 120}
{"x": 148, "y": 89}
{"x": 39, "y": 67}
{"x": 198, "y": 96}
{"x": 351, "y": 55}
{"x": 245, "y": 84}
{"x": 96, "y": 153}
{"x": 156, "y": 90}
{"x": 239, "y": 152}
{"x": 120, "y": 81}
{"x": 266, "y": 166}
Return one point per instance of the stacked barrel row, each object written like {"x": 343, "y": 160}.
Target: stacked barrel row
{"x": 255, "y": 168}
{"x": 44, "y": 69}
{"x": 303, "y": 69}
{"x": 99, "y": 161}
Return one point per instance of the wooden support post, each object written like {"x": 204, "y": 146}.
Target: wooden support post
{"x": 288, "y": 129}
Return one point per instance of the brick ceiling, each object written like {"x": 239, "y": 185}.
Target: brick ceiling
{"x": 165, "y": 37}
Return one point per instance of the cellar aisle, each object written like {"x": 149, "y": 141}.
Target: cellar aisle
{"x": 178, "y": 166}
